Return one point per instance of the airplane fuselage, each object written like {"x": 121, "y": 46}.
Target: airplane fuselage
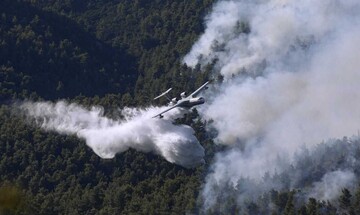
{"x": 189, "y": 103}
{"x": 186, "y": 102}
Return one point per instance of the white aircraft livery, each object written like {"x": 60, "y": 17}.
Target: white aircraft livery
{"x": 186, "y": 102}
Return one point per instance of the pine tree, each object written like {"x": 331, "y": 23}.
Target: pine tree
{"x": 356, "y": 203}
{"x": 290, "y": 208}
{"x": 345, "y": 201}
{"x": 312, "y": 207}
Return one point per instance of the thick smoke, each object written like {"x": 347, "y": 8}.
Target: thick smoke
{"x": 107, "y": 137}
{"x": 291, "y": 80}
{"x": 332, "y": 183}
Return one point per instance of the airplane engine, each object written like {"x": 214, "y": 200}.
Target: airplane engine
{"x": 174, "y": 100}
{"x": 183, "y": 95}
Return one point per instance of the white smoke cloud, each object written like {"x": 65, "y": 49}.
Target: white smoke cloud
{"x": 277, "y": 28}
{"x": 291, "y": 81}
{"x": 330, "y": 186}
{"x": 107, "y": 137}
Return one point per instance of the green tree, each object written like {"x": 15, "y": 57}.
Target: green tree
{"x": 356, "y": 203}
{"x": 312, "y": 207}
{"x": 290, "y": 208}
{"x": 345, "y": 201}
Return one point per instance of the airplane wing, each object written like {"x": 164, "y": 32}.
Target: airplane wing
{"x": 172, "y": 107}
{"x": 196, "y": 92}
{"x": 163, "y": 94}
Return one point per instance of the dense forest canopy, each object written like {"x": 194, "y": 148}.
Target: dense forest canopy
{"x": 105, "y": 46}
{"x": 108, "y": 53}
{"x": 114, "y": 54}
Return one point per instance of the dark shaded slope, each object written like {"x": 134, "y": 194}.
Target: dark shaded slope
{"x": 158, "y": 33}
{"x": 54, "y": 57}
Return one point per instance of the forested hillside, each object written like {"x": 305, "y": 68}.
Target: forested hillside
{"x": 108, "y": 53}
{"x": 155, "y": 34}
{"x": 105, "y": 47}
{"x": 54, "y": 57}
{"x": 114, "y": 54}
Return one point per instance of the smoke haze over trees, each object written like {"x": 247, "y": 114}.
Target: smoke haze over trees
{"x": 290, "y": 81}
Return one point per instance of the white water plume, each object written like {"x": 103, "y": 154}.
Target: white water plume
{"x": 291, "y": 80}
{"x": 107, "y": 137}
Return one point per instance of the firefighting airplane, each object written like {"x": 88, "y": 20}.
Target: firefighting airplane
{"x": 185, "y": 102}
